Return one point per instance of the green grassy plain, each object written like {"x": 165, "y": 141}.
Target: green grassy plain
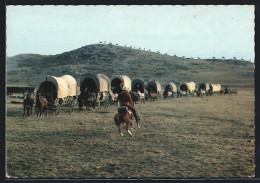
{"x": 210, "y": 137}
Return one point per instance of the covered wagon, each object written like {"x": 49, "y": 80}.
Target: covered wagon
{"x": 154, "y": 89}
{"x": 170, "y": 90}
{"x": 188, "y": 87}
{"x": 120, "y": 83}
{"x": 138, "y": 86}
{"x": 214, "y": 88}
{"x": 204, "y": 87}
{"x": 58, "y": 91}
{"x": 94, "y": 90}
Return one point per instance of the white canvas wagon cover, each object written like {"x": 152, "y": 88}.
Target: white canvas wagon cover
{"x": 65, "y": 85}
{"x": 189, "y": 85}
{"x": 155, "y": 84}
{"x": 172, "y": 86}
{"x": 101, "y": 81}
{"x": 125, "y": 80}
{"x": 215, "y": 87}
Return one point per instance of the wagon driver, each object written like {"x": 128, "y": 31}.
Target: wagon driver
{"x": 125, "y": 99}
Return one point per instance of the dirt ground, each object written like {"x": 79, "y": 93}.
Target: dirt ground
{"x": 209, "y": 137}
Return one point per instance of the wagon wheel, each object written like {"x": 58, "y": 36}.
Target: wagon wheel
{"x": 57, "y": 112}
{"x": 71, "y": 107}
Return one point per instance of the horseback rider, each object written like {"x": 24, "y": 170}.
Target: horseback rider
{"x": 125, "y": 99}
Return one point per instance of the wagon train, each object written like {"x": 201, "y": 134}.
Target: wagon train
{"x": 138, "y": 87}
{"x": 154, "y": 90}
{"x": 186, "y": 89}
{"x": 94, "y": 91}
{"x": 170, "y": 90}
{"x": 57, "y": 92}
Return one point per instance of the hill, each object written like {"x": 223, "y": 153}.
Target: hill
{"x": 23, "y": 69}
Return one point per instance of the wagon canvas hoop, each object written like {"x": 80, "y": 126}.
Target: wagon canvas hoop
{"x": 141, "y": 84}
{"x": 204, "y": 86}
{"x": 65, "y": 85}
{"x": 156, "y": 85}
{"x": 125, "y": 82}
{"x": 215, "y": 87}
{"x": 172, "y": 86}
{"x": 188, "y": 87}
{"x": 101, "y": 82}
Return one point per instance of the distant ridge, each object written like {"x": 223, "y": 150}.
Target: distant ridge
{"x": 23, "y": 69}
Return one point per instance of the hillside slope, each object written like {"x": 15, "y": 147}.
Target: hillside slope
{"x": 23, "y": 70}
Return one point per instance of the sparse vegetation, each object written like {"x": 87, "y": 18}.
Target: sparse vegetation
{"x": 210, "y": 137}
{"x": 120, "y": 59}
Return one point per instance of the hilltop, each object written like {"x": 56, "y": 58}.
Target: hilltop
{"x": 23, "y": 69}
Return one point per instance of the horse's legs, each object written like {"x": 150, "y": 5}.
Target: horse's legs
{"x": 45, "y": 109}
{"x": 120, "y": 130}
{"x": 138, "y": 125}
{"x": 31, "y": 110}
{"x": 28, "y": 111}
{"x": 23, "y": 111}
{"x": 131, "y": 124}
{"x": 127, "y": 128}
{"x": 41, "y": 110}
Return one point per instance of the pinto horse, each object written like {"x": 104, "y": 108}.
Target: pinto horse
{"x": 41, "y": 104}
{"x": 125, "y": 115}
{"x": 27, "y": 104}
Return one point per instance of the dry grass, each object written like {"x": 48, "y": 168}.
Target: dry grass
{"x": 179, "y": 138}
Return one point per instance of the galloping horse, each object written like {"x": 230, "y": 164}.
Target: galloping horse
{"x": 41, "y": 104}
{"x": 125, "y": 115}
{"x": 126, "y": 112}
{"x": 27, "y": 104}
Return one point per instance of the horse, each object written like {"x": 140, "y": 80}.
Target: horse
{"x": 224, "y": 91}
{"x": 167, "y": 94}
{"x": 41, "y": 104}
{"x": 27, "y": 104}
{"x": 153, "y": 95}
{"x": 141, "y": 96}
{"x": 200, "y": 93}
{"x": 125, "y": 115}
{"x": 135, "y": 97}
{"x": 113, "y": 97}
{"x": 91, "y": 100}
{"x": 87, "y": 98}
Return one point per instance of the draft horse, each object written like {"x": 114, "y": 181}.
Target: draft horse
{"x": 41, "y": 105}
{"x": 27, "y": 103}
{"x": 88, "y": 99}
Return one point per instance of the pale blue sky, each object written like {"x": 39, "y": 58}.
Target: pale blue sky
{"x": 191, "y": 31}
